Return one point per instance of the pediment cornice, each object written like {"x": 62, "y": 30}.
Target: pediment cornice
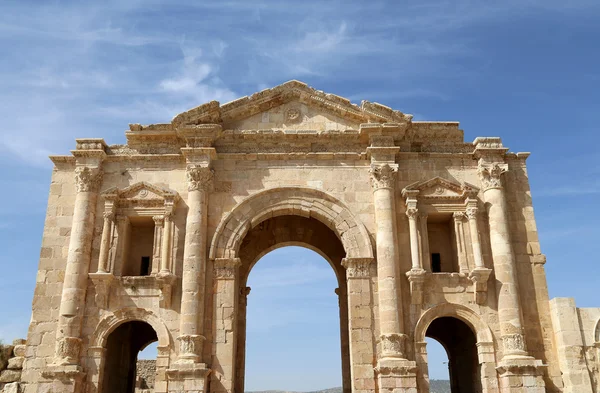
{"x": 214, "y": 113}
{"x": 141, "y": 193}
{"x": 439, "y": 188}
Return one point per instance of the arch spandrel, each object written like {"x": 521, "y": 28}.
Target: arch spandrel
{"x": 301, "y": 201}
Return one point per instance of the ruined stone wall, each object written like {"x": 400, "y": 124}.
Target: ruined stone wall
{"x": 11, "y": 366}
{"x": 145, "y": 375}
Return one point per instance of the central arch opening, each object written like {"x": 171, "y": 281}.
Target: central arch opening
{"x": 292, "y": 310}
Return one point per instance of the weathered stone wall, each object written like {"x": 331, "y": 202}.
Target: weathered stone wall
{"x": 145, "y": 375}
{"x": 11, "y": 365}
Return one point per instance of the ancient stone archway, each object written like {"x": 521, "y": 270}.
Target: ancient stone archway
{"x": 441, "y": 322}
{"x": 269, "y": 220}
{"x": 379, "y": 195}
{"x": 100, "y": 350}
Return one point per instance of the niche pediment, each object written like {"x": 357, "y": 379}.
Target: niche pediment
{"x": 440, "y": 189}
{"x": 141, "y": 194}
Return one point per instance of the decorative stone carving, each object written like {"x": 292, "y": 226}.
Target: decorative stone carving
{"x": 293, "y": 115}
{"x": 490, "y": 174}
{"x": 190, "y": 347}
{"x": 225, "y": 268}
{"x": 471, "y": 213}
{"x": 199, "y": 177}
{"x": 87, "y": 179}
{"x": 412, "y": 213}
{"x": 67, "y": 350}
{"x": 165, "y": 283}
{"x": 382, "y": 176}
{"x": 357, "y": 267}
{"x": 392, "y": 345}
{"x": 513, "y": 343}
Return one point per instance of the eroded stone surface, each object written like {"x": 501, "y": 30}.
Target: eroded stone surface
{"x": 419, "y": 226}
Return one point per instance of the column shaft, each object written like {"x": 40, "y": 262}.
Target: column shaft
{"x": 414, "y": 239}
{"x": 390, "y": 313}
{"x": 166, "y": 245}
{"x": 68, "y": 341}
{"x": 105, "y": 242}
{"x": 460, "y": 243}
{"x": 509, "y": 307}
{"x": 194, "y": 268}
{"x": 477, "y": 254}
{"x": 425, "y": 254}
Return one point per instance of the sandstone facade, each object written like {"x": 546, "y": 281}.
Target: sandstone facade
{"x": 428, "y": 235}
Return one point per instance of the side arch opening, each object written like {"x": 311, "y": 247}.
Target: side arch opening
{"x": 122, "y": 373}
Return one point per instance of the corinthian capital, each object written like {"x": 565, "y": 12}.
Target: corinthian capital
{"x": 199, "y": 177}
{"x": 382, "y": 176}
{"x": 490, "y": 174}
{"x": 87, "y": 179}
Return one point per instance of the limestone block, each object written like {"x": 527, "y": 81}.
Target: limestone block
{"x": 11, "y": 388}
{"x": 19, "y": 350}
{"x": 16, "y": 363}
{"x": 10, "y": 376}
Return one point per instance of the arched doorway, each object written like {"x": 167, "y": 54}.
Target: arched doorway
{"x": 275, "y": 218}
{"x": 460, "y": 344}
{"x": 282, "y": 231}
{"x": 123, "y": 345}
{"x": 292, "y": 314}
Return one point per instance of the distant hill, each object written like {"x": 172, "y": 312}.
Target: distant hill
{"x": 435, "y": 386}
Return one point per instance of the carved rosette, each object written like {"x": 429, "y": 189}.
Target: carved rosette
{"x": 190, "y": 345}
{"x": 513, "y": 343}
{"x": 199, "y": 177}
{"x": 357, "y": 267}
{"x": 225, "y": 268}
{"x": 67, "y": 350}
{"x": 382, "y": 176}
{"x": 392, "y": 345}
{"x": 87, "y": 179}
{"x": 490, "y": 174}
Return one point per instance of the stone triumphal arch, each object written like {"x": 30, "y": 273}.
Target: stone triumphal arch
{"x": 428, "y": 235}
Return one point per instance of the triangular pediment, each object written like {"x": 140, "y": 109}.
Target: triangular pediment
{"x": 292, "y": 105}
{"x": 440, "y": 188}
{"x": 141, "y": 191}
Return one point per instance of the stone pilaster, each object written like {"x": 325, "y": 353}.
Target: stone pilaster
{"x": 241, "y": 344}
{"x": 517, "y": 368}
{"x": 225, "y": 276}
{"x": 360, "y": 323}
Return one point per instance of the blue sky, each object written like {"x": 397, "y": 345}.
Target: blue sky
{"x": 525, "y": 70}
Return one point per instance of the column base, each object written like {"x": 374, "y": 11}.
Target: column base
{"x": 396, "y": 375}
{"x": 521, "y": 374}
{"x": 64, "y": 379}
{"x": 188, "y": 378}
